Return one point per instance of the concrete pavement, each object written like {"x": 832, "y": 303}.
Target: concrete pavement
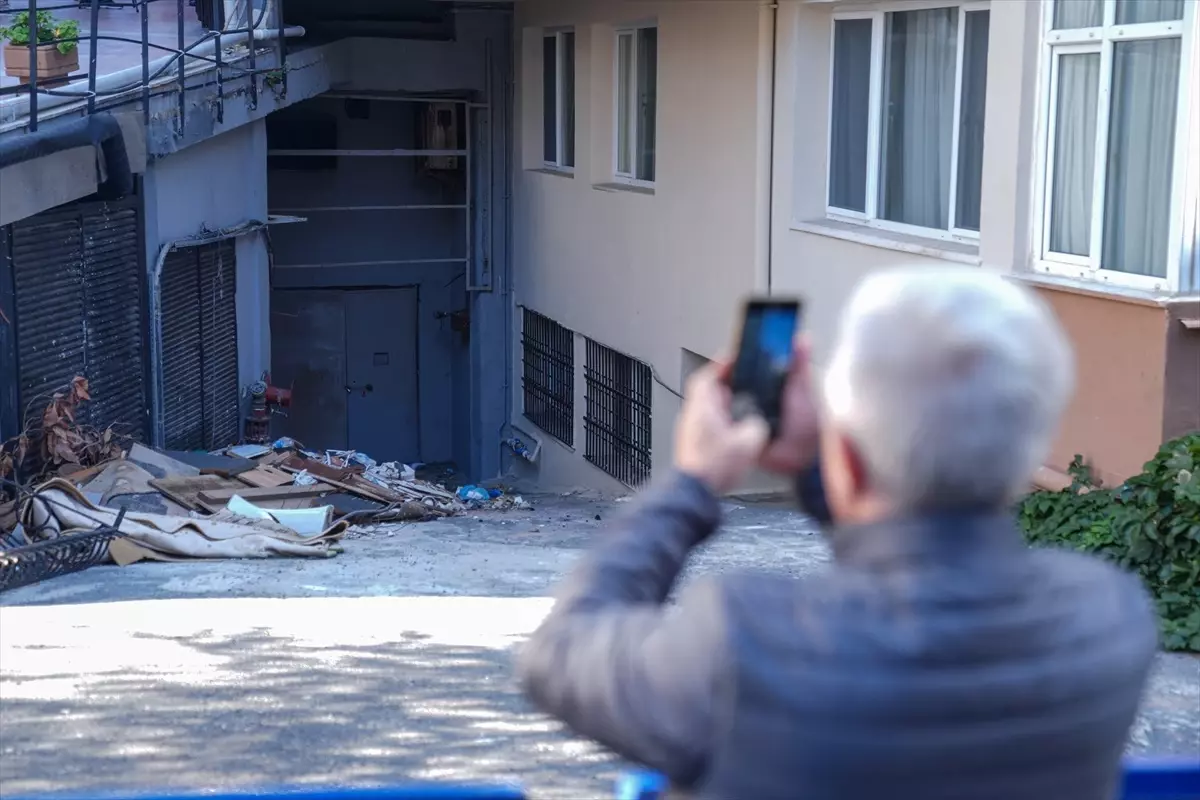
{"x": 390, "y": 662}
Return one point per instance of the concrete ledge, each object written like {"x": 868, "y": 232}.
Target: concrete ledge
{"x": 1051, "y": 480}
{"x": 34, "y": 186}
{"x": 860, "y": 233}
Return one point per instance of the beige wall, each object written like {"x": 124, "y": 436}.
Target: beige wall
{"x": 652, "y": 274}
{"x": 1116, "y": 419}
{"x": 823, "y": 261}
{"x": 647, "y": 274}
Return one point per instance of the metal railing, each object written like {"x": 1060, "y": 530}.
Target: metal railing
{"x": 208, "y": 48}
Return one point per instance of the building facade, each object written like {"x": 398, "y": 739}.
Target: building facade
{"x": 502, "y": 235}
{"x": 308, "y": 192}
{"x": 675, "y": 156}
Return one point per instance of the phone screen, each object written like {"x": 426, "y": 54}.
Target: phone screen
{"x": 764, "y": 357}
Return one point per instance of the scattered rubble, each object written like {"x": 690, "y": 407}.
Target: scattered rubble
{"x": 247, "y": 500}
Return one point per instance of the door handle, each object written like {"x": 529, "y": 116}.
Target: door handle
{"x": 351, "y": 389}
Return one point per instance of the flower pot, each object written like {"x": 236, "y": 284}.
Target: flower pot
{"x": 53, "y": 68}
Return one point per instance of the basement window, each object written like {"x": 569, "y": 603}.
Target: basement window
{"x": 617, "y": 423}
{"x": 548, "y": 381}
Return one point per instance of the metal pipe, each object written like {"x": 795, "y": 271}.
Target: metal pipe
{"x": 182, "y": 66}
{"x": 33, "y": 54}
{"x": 393, "y": 98}
{"x": 393, "y": 263}
{"x": 482, "y": 142}
{"x": 319, "y": 209}
{"x": 368, "y": 153}
{"x": 253, "y": 22}
{"x": 472, "y": 207}
{"x": 92, "y": 55}
{"x": 220, "y": 80}
{"x": 282, "y": 42}
{"x": 144, "y": 8}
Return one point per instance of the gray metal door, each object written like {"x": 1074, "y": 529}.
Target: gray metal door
{"x": 381, "y": 371}
{"x": 308, "y": 353}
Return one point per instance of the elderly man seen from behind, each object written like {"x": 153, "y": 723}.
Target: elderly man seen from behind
{"x": 939, "y": 658}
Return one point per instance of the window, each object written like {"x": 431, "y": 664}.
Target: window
{"x": 548, "y": 359}
{"x": 907, "y": 101}
{"x": 1111, "y": 141}
{"x": 637, "y": 103}
{"x": 617, "y": 421}
{"x": 558, "y": 93}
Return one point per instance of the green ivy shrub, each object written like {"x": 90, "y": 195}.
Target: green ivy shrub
{"x": 1149, "y": 525}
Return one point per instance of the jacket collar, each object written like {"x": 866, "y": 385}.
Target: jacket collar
{"x": 945, "y": 539}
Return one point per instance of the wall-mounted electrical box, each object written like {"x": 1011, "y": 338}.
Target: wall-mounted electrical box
{"x": 440, "y": 131}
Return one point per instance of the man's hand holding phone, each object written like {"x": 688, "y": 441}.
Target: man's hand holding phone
{"x": 710, "y": 445}
{"x": 795, "y": 448}
{"x": 755, "y": 410}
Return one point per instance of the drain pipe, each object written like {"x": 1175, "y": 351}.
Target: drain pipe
{"x": 131, "y": 77}
{"x": 771, "y": 93}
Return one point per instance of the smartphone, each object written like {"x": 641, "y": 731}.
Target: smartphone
{"x": 765, "y": 352}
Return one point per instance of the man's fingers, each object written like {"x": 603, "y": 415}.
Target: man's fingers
{"x": 724, "y": 365}
{"x": 750, "y": 436}
{"x": 706, "y": 381}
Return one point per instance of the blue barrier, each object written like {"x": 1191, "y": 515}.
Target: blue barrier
{"x": 1142, "y": 780}
{"x": 426, "y": 791}
{"x": 641, "y": 786}
{"x": 1161, "y": 780}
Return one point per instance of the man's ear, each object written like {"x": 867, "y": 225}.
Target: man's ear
{"x": 856, "y": 467}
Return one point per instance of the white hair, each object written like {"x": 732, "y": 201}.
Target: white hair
{"x": 950, "y": 383}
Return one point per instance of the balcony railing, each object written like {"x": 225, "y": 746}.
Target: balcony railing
{"x": 172, "y": 46}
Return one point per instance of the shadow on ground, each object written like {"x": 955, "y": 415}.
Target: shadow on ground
{"x": 256, "y": 709}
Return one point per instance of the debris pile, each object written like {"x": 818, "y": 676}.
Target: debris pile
{"x": 281, "y": 489}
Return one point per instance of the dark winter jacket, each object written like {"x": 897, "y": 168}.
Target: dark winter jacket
{"x": 938, "y": 659}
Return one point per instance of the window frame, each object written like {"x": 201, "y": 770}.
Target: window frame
{"x": 869, "y": 217}
{"x": 560, "y": 56}
{"x": 628, "y": 178}
{"x": 1101, "y": 40}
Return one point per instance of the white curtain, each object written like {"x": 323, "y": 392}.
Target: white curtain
{"x": 625, "y": 111}
{"x": 919, "y": 116}
{"x": 972, "y": 114}
{"x": 1074, "y": 153}
{"x": 1070, "y": 14}
{"x": 1135, "y": 11}
{"x": 1141, "y": 149}
{"x": 851, "y": 114}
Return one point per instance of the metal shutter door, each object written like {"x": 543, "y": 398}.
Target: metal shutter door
{"x": 218, "y": 331}
{"x": 78, "y": 278}
{"x": 201, "y": 393}
{"x": 115, "y": 350}
{"x": 183, "y": 412}
{"x": 47, "y": 254}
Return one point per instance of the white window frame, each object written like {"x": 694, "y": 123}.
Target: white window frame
{"x": 630, "y": 178}
{"x": 560, "y": 88}
{"x": 869, "y": 217}
{"x": 1101, "y": 40}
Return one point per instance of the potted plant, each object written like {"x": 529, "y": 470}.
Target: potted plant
{"x": 57, "y": 48}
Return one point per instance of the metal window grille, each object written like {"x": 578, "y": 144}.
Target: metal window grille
{"x": 617, "y": 422}
{"x": 548, "y": 356}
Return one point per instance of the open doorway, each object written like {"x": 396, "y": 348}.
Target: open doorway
{"x": 369, "y": 302}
